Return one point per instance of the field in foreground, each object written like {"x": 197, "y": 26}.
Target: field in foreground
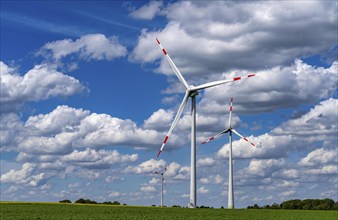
{"x": 73, "y": 211}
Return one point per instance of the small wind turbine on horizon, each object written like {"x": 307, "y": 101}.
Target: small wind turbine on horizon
{"x": 162, "y": 182}
{"x": 230, "y": 130}
{"x": 190, "y": 91}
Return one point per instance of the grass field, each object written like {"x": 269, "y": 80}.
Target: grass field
{"x": 73, "y": 211}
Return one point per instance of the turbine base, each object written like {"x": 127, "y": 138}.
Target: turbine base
{"x": 191, "y": 206}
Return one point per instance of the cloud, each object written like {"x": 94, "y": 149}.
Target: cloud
{"x": 206, "y": 162}
{"x": 204, "y": 180}
{"x": 287, "y": 193}
{"x": 225, "y": 35}
{"x": 61, "y": 119}
{"x": 26, "y": 176}
{"x": 80, "y": 159}
{"x": 74, "y": 185}
{"x": 40, "y": 83}
{"x": 202, "y": 190}
{"x": 272, "y": 89}
{"x": 212, "y": 179}
{"x": 183, "y": 173}
{"x": 154, "y": 181}
{"x": 147, "y": 189}
{"x": 316, "y": 124}
{"x": 59, "y": 144}
{"x": 270, "y": 147}
{"x": 328, "y": 194}
{"x": 102, "y": 130}
{"x": 148, "y": 11}
{"x": 218, "y": 179}
{"x": 109, "y": 179}
{"x": 11, "y": 128}
{"x": 326, "y": 169}
{"x": 114, "y": 194}
{"x": 287, "y": 184}
{"x": 148, "y": 166}
{"x": 159, "y": 120}
{"x": 66, "y": 128}
{"x": 87, "y": 47}
{"x": 93, "y": 159}
{"x": 319, "y": 157}
{"x": 288, "y": 174}
{"x": 174, "y": 171}
{"x": 265, "y": 167}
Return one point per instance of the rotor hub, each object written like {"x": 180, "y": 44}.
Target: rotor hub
{"x": 193, "y": 92}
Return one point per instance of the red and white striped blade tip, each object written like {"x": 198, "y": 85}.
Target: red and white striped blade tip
{"x": 158, "y": 41}
{"x": 210, "y": 139}
{"x": 238, "y": 78}
{"x": 249, "y": 142}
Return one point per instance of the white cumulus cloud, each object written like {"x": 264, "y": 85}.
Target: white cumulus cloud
{"x": 319, "y": 157}
{"x": 91, "y": 158}
{"x": 147, "y": 189}
{"x": 148, "y": 11}
{"x": 26, "y": 176}
{"x": 87, "y": 47}
{"x": 40, "y": 83}
{"x": 202, "y": 190}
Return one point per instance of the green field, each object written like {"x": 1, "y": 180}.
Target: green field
{"x": 75, "y": 211}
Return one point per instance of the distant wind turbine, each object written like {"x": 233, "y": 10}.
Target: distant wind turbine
{"x": 162, "y": 182}
{"x": 230, "y": 130}
{"x": 190, "y": 91}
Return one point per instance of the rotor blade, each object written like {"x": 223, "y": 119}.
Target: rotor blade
{"x": 173, "y": 66}
{"x": 177, "y": 117}
{"x": 217, "y": 135}
{"x": 230, "y": 112}
{"x": 155, "y": 172}
{"x": 216, "y": 83}
{"x": 233, "y": 130}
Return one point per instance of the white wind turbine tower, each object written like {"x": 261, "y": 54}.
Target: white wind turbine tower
{"x": 190, "y": 91}
{"x": 230, "y": 130}
{"x": 162, "y": 182}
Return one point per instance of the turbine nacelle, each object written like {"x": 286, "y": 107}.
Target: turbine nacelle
{"x": 192, "y": 92}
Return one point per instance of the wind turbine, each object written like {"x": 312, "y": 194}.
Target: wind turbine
{"x": 230, "y": 130}
{"x": 162, "y": 182}
{"x": 190, "y": 91}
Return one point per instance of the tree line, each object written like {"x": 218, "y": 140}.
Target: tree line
{"x": 88, "y": 201}
{"x": 306, "y": 204}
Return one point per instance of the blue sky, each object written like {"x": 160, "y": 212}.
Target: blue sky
{"x": 87, "y": 98}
